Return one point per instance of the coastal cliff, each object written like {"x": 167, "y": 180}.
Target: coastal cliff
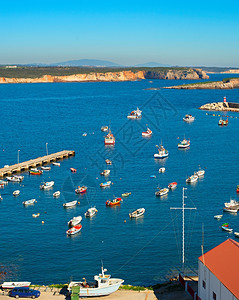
{"x": 232, "y": 83}
{"x": 127, "y": 75}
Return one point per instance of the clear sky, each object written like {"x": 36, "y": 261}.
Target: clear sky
{"x": 126, "y": 32}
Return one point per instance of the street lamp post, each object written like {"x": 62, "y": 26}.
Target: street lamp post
{"x": 46, "y": 149}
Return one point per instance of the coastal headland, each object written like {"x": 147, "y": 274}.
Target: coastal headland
{"x": 63, "y": 74}
{"x": 227, "y": 83}
{"x": 221, "y": 106}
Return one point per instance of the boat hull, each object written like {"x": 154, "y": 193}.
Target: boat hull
{"x": 158, "y": 156}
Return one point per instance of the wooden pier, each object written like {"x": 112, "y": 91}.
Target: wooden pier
{"x": 33, "y": 163}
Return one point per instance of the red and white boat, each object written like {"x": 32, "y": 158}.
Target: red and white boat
{"x": 115, "y": 201}
{"x": 74, "y": 230}
{"x": 73, "y": 170}
{"x": 109, "y": 138}
{"x": 12, "y": 285}
{"x": 147, "y": 133}
{"x": 172, "y": 185}
{"x": 81, "y": 189}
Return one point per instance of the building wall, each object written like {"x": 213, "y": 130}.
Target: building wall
{"x": 212, "y": 285}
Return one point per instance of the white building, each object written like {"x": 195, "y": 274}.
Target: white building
{"x": 218, "y": 272}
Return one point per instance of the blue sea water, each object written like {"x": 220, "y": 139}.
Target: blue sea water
{"x": 143, "y": 251}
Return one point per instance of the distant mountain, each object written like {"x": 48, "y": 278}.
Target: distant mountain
{"x": 87, "y": 63}
{"x": 151, "y": 65}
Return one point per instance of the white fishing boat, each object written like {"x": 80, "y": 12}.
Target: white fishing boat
{"x": 147, "y": 133}
{"x": 227, "y": 229}
{"x": 104, "y": 128}
{"x": 74, "y": 230}
{"x": 162, "y": 152}
{"x": 236, "y": 234}
{"x": 56, "y": 194}
{"x": 45, "y": 168}
{"x": 218, "y": 217}
{"x": 184, "y": 144}
{"x": 16, "y": 193}
{"x": 192, "y": 178}
{"x": 105, "y": 173}
{"x": 56, "y": 164}
{"x": 70, "y": 204}
{"x": 109, "y": 138}
{"x": 135, "y": 114}
{"x": 104, "y": 285}
{"x": 91, "y": 212}
{"x": 188, "y": 118}
{"x": 15, "y": 178}
{"x": 29, "y": 202}
{"x": 137, "y": 213}
{"x": 74, "y": 221}
{"x": 47, "y": 185}
{"x": 12, "y": 285}
{"x": 162, "y": 192}
{"x": 232, "y": 203}
{"x": 162, "y": 170}
{"x": 232, "y": 209}
{"x": 105, "y": 184}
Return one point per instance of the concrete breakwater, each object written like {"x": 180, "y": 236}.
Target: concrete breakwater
{"x": 221, "y": 106}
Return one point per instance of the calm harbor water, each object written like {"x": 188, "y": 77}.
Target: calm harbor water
{"x": 142, "y": 251}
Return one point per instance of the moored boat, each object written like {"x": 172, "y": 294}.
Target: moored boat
{"x": 184, "y": 144}
{"x": 231, "y": 209}
{"x": 137, "y": 213}
{"x": 115, "y": 201}
{"x": 226, "y": 228}
{"x": 47, "y": 185}
{"x": 105, "y": 184}
{"x": 109, "y": 138}
{"x": 172, "y": 185}
{"x": 126, "y": 194}
{"x": 108, "y": 162}
{"x": 135, "y": 114}
{"x": 35, "y": 172}
{"x": 15, "y": 178}
{"x": 147, "y": 133}
{"x": 36, "y": 215}
{"x": 105, "y": 173}
{"x": 29, "y": 202}
{"x": 45, "y": 168}
{"x": 192, "y": 178}
{"x": 218, "y": 217}
{"x": 91, "y": 212}
{"x": 81, "y": 189}
{"x": 73, "y": 170}
{"x": 161, "y": 170}
{"x": 104, "y": 128}
{"x": 70, "y": 204}
{"x": 12, "y": 285}
{"x": 232, "y": 203}
{"x": 104, "y": 285}
{"x": 3, "y": 182}
{"x": 74, "y": 221}
{"x": 74, "y": 230}
{"x": 238, "y": 189}
{"x": 223, "y": 122}
{"x": 162, "y": 152}
{"x": 200, "y": 173}
{"x": 56, "y": 164}
{"x": 236, "y": 234}
{"x": 188, "y": 118}
{"x": 16, "y": 193}
{"x": 162, "y": 192}
{"x": 56, "y": 194}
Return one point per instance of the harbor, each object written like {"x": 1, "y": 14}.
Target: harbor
{"x": 33, "y": 163}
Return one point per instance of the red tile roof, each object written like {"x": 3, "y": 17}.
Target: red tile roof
{"x": 223, "y": 262}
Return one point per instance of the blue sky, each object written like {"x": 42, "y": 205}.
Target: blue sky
{"x": 126, "y": 32}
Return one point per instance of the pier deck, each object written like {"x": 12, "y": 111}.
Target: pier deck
{"x": 33, "y": 163}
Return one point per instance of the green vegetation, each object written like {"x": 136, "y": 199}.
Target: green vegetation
{"x": 36, "y": 72}
{"x": 216, "y": 69}
{"x": 225, "y": 80}
{"x": 132, "y": 288}
{"x": 200, "y": 83}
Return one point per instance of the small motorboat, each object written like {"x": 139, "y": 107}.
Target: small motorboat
{"x": 91, "y": 212}
{"x": 161, "y": 170}
{"x": 29, "y": 202}
{"x": 126, "y": 194}
{"x": 115, "y": 201}
{"x": 73, "y": 170}
{"x": 238, "y": 189}
{"x": 105, "y": 184}
{"x": 36, "y": 215}
{"x": 162, "y": 153}
{"x": 218, "y": 217}
{"x": 231, "y": 209}
{"x": 12, "y": 285}
{"x": 15, "y": 178}
{"x": 147, "y": 133}
{"x": 74, "y": 221}
{"x": 192, "y": 178}
{"x": 226, "y": 228}
{"x": 16, "y": 193}
{"x": 110, "y": 139}
{"x": 232, "y": 203}
{"x": 108, "y": 162}
{"x": 223, "y": 122}
{"x": 84, "y": 134}
{"x": 188, "y": 118}
{"x": 172, "y": 185}
{"x": 1, "y": 198}
{"x": 35, "y": 172}
{"x": 46, "y": 168}
{"x": 74, "y": 230}
{"x": 137, "y": 213}
{"x": 70, "y": 204}
{"x": 135, "y": 114}
{"x": 104, "y": 128}
{"x": 236, "y": 234}
{"x": 200, "y": 173}
{"x": 56, "y": 164}
{"x": 105, "y": 173}
{"x": 57, "y": 194}
{"x": 47, "y": 185}
{"x": 81, "y": 189}
{"x": 162, "y": 192}
{"x": 3, "y": 182}
{"x": 152, "y": 176}
{"x": 184, "y": 144}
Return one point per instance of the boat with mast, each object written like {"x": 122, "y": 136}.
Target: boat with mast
{"x": 162, "y": 152}
{"x": 135, "y": 114}
{"x": 109, "y": 138}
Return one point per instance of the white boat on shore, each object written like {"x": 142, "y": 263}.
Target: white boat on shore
{"x": 74, "y": 221}
{"x": 12, "y": 285}
{"x": 47, "y": 185}
{"x": 29, "y": 202}
{"x": 70, "y": 204}
{"x": 104, "y": 285}
{"x": 91, "y": 212}
{"x": 137, "y": 213}
{"x": 57, "y": 194}
{"x": 16, "y": 193}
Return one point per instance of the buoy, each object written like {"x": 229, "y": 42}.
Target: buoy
{"x": 112, "y": 183}
{"x": 78, "y": 202}
{"x": 42, "y": 222}
{"x": 96, "y": 177}
{"x": 124, "y": 221}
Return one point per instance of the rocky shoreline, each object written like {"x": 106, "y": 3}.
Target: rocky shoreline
{"x": 189, "y": 74}
{"x": 232, "y": 83}
{"x": 221, "y": 106}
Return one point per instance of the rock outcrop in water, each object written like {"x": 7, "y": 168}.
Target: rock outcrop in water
{"x": 114, "y": 76}
{"x": 221, "y": 106}
{"x": 232, "y": 83}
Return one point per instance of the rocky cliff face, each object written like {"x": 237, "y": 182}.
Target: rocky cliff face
{"x": 114, "y": 76}
{"x": 230, "y": 84}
